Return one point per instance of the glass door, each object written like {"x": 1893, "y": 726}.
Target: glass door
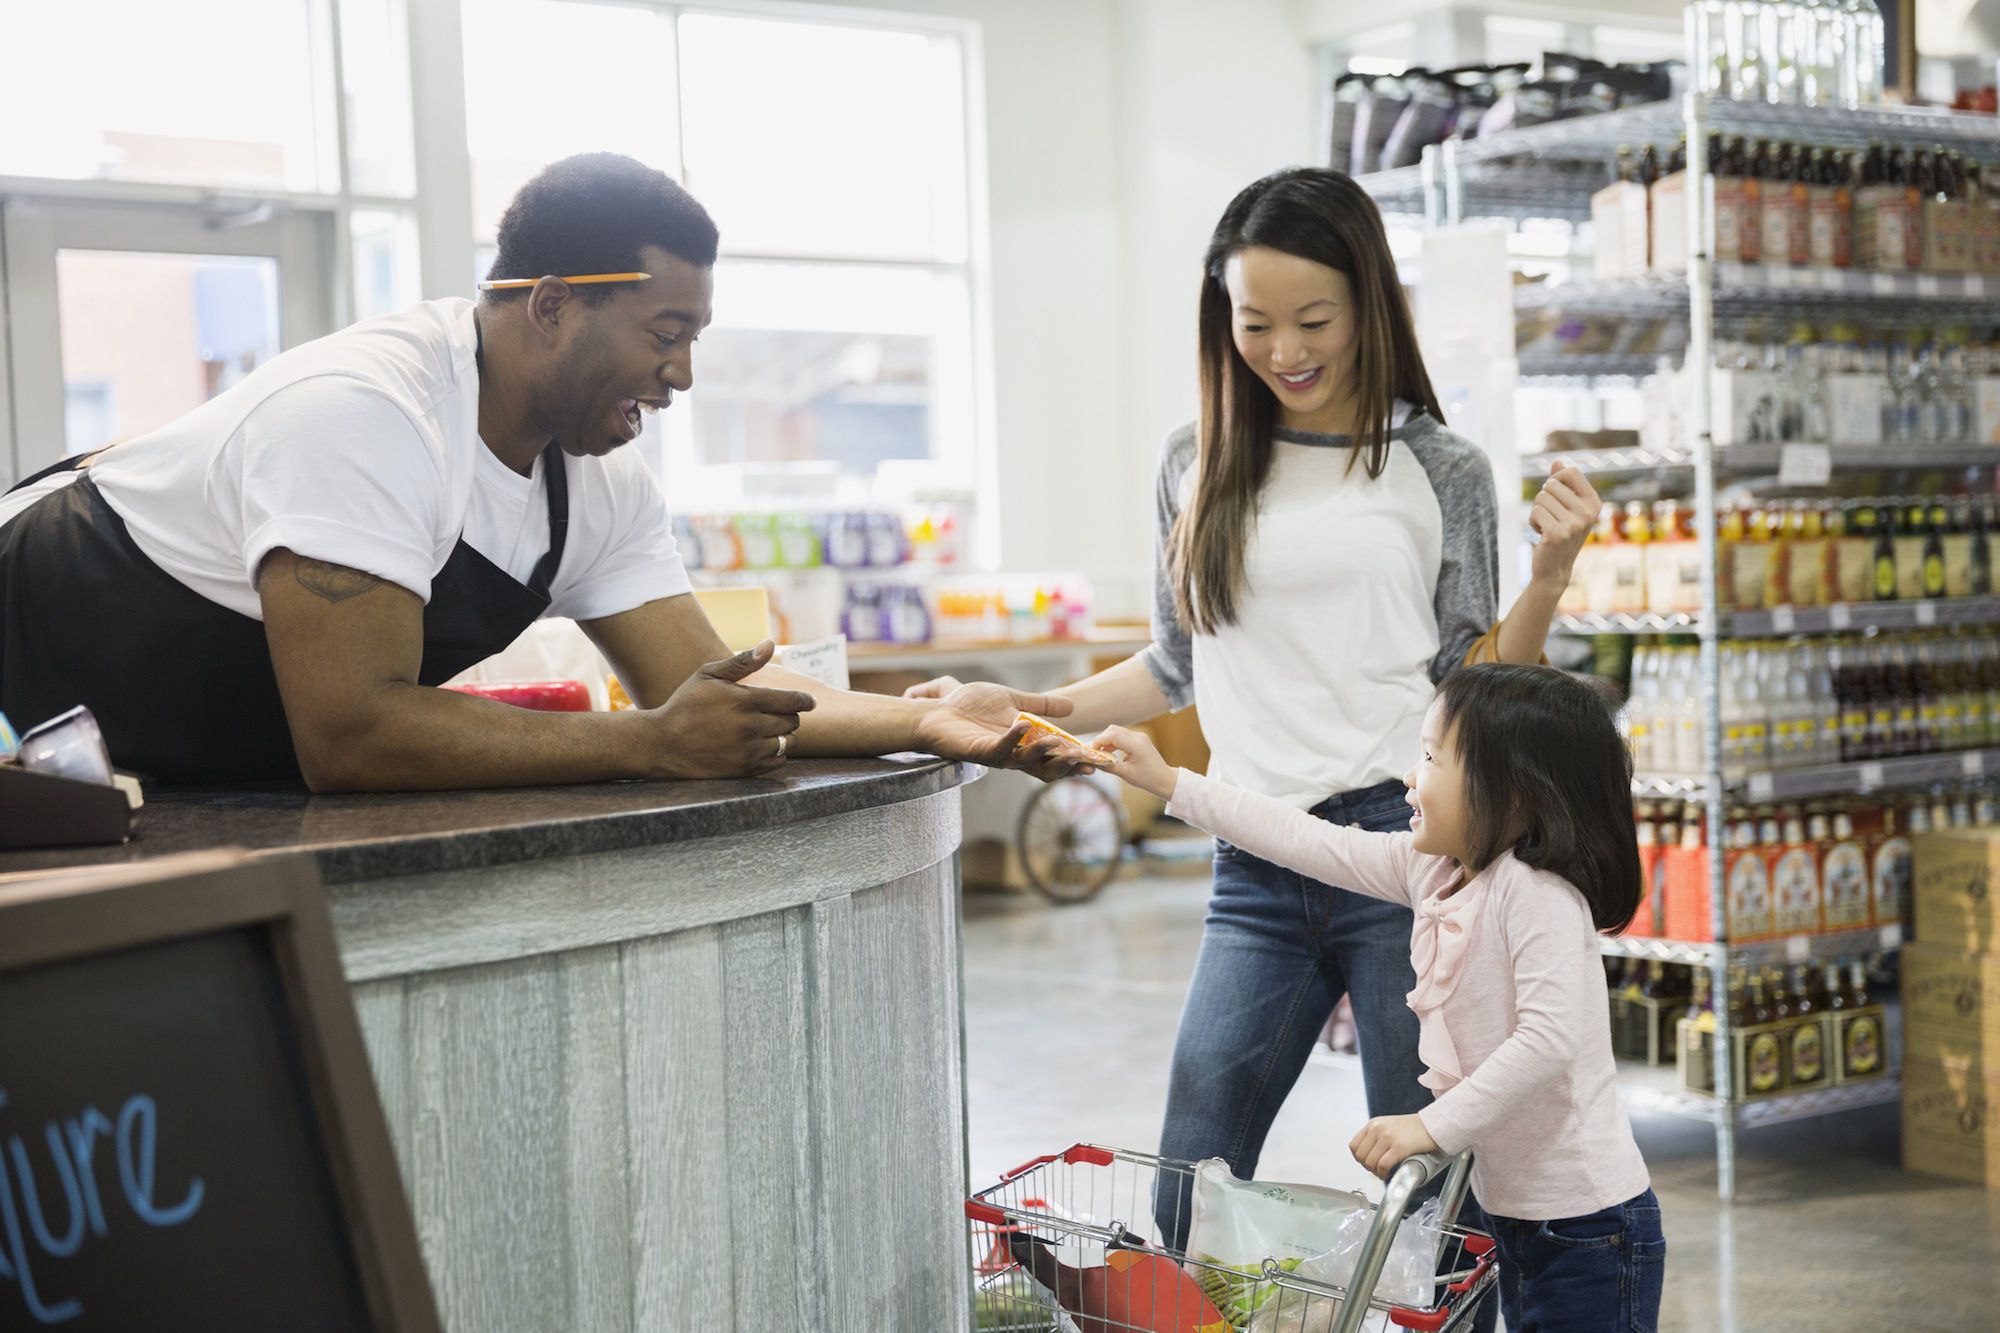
{"x": 120, "y": 318}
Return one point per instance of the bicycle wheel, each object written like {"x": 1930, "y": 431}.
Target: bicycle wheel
{"x": 1070, "y": 839}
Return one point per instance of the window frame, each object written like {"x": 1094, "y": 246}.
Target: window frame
{"x": 967, "y": 472}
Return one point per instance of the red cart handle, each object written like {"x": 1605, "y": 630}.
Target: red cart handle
{"x": 985, "y": 1212}
{"x": 1430, "y": 1321}
{"x": 1081, "y": 1152}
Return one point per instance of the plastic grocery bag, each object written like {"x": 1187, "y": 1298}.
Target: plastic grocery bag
{"x": 1235, "y": 1225}
{"x": 1410, "y": 1275}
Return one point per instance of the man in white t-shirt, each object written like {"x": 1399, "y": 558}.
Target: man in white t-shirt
{"x": 266, "y": 586}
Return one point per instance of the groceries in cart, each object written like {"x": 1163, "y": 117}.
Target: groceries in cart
{"x": 1235, "y": 1225}
{"x": 1054, "y": 1254}
{"x": 1238, "y": 1225}
{"x": 1131, "y": 1289}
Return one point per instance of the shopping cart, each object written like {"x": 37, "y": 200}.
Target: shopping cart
{"x": 1055, "y": 1250}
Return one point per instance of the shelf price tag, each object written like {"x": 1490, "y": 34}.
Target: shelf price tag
{"x": 1871, "y": 776}
{"x": 1782, "y": 620}
{"x": 1798, "y": 948}
{"x": 1928, "y": 284}
{"x": 1882, "y": 284}
{"x": 1891, "y": 936}
{"x": 1832, "y": 280}
{"x": 1761, "y": 787}
{"x": 1804, "y": 465}
{"x": 1840, "y": 616}
{"x": 1926, "y": 613}
{"x": 1975, "y": 284}
{"x": 1972, "y": 764}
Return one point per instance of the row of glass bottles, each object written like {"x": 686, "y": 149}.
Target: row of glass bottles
{"x": 1789, "y": 52}
{"x": 1811, "y": 701}
{"x": 1925, "y": 386}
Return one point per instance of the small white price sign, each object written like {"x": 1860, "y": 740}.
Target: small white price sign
{"x": 1840, "y": 616}
{"x": 1926, "y": 613}
{"x": 1798, "y": 948}
{"x": 1871, "y": 776}
{"x": 1761, "y": 788}
{"x": 1975, "y": 284}
{"x": 1891, "y": 936}
{"x": 1928, "y": 284}
{"x": 1832, "y": 280}
{"x": 1972, "y": 764}
{"x": 1882, "y": 284}
{"x": 1782, "y": 620}
{"x": 1804, "y": 465}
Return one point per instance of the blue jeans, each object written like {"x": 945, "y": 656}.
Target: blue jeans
{"x": 1595, "y": 1274}
{"x": 1277, "y": 953}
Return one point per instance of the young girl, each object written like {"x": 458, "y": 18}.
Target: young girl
{"x": 1520, "y": 850}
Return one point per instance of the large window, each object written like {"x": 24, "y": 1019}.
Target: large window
{"x": 842, "y": 351}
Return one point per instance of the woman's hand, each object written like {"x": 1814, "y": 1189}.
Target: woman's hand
{"x": 1386, "y": 1140}
{"x": 1563, "y": 516}
{"x": 1139, "y": 761}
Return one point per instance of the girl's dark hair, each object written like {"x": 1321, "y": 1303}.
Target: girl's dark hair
{"x": 1318, "y": 214}
{"x": 1546, "y": 771}
{"x": 590, "y": 214}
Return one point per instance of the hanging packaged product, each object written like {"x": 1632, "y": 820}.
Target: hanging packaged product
{"x": 1891, "y": 856}
{"x": 1746, "y": 876}
{"x": 1844, "y": 890}
{"x": 1796, "y": 904}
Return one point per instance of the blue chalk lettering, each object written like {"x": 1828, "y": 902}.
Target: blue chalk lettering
{"x": 135, "y": 1165}
{"x": 83, "y": 1131}
{"x": 17, "y": 1254}
{"x": 31, "y": 1196}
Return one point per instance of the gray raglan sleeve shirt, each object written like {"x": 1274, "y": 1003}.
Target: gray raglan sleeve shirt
{"x": 1468, "y": 592}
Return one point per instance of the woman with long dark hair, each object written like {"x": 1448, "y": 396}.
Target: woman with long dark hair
{"x": 1326, "y": 555}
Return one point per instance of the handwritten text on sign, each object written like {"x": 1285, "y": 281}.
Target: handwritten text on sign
{"x": 66, "y": 1162}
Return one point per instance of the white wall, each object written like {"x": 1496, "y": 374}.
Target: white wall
{"x": 1116, "y": 132}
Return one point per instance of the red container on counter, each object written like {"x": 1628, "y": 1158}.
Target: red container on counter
{"x": 547, "y": 696}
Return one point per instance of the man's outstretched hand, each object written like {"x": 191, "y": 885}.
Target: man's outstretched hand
{"x": 979, "y": 723}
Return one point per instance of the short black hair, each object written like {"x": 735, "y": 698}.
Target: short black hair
{"x": 1544, "y": 765}
{"x": 590, "y": 214}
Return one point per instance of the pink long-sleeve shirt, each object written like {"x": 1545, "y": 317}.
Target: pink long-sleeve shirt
{"x": 1535, "y": 1094}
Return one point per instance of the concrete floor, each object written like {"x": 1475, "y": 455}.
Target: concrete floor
{"x": 1070, "y": 1018}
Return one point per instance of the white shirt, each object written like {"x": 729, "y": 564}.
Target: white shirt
{"x": 362, "y": 449}
{"x": 1321, "y": 684}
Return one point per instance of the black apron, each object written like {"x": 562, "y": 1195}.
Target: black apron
{"x": 182, "y": 688}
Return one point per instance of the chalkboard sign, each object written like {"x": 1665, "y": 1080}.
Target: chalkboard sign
{"x": 189, "y": 1135}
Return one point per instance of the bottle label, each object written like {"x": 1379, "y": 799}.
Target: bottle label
{"x": 1766, "y": 1063}
{"x": 1846, "y": 880}
{"x": 1885, "y": 579}
{"x": 1795, "y": 893}
{"x": 1776, "y": 242}
{"x": 1934, "y": 576}
{"x": 1749, "y": 898}
{"x": 1808, "y": 1054}
{"x": 1862, "y": 1045}
{"x": 1891, "y": 881}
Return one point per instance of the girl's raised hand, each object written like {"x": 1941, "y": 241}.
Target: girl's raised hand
{"x": 1563, "y": 516}
{"x": 1139, "y": 761}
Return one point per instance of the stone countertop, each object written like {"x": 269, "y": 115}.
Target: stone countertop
{"x": 378, "y": 836}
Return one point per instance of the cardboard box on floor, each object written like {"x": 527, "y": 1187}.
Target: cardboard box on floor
{"x": 1949, "y": 1128}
